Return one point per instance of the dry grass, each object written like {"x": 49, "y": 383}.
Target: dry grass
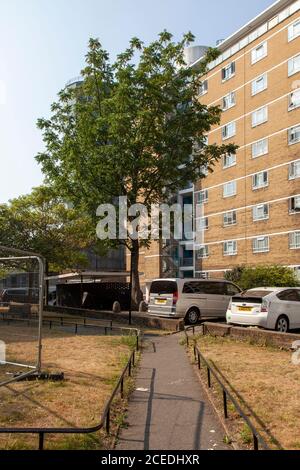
{"x": 91, "y": 365}
{"x": 268, "y": 382}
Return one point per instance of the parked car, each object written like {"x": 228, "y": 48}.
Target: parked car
{"x": 19, "y": 295}
{"x": 191, "y": 299}
{"x": 268, "y": 307}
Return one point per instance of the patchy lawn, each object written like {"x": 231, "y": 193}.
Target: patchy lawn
{"x": 91, "y": 364}
{"x": 267, "y": 381}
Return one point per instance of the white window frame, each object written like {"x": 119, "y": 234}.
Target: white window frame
{"x": 205, "y": 252}
{"x": 292, "y": 69}
{"x": 229, "y": 101}
{"x": 257, "y": 249}
{"x": 261, "y": 212}
{"x": 204, "y": 199}
{"x": 233, "y": 218}
{"x": 255, "y": 179}
{"x": 228, "y": 68}
{"x": 262, "y": 144}
{"x": 232, "y": 184}
{"x": 290, "y": 132}
{"x": 203, "y": 88}
{"x": 230, "y": 248}
{"x": 254, "y": 89}
{"x": 294, "y": 170}
{"x": 229, "y": 160}
{"x": 263, "y": 112}
{"x": 291, "y": 30}
{"x": 294, "y": 104}
{"x": 293, "y": 201}
{"x": 203, "y": 224}
{"x": 225, "y": 130}
{"x": 256, "y": 58}
{"x": 294, "y": 241}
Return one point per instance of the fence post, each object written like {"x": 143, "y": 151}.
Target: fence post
{"x": 208, "y": 377}
{"x": 137, "y": 342}
{"x": 255, "y": 442}
{"x": 122, "y": 388}
{"x": 108, "y": 421}
{"x": 129, "y": 369}
{"x": 76, "y": 329}
{"x": 133, "y": 358}
{"x": 225, "y": 404}
{"x": 199, "y": 361}
{"x": 41, "y": 441}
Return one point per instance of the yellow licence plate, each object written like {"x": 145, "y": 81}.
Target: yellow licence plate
{"x": 245, "y": 309}
{"x": 160, "y": 302}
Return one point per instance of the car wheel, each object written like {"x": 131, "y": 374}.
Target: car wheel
{"x": 192, "y": 317}
{"x": 282, "y": 324}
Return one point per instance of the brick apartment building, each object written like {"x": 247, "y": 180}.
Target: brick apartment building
{"x": 250, "y": 204}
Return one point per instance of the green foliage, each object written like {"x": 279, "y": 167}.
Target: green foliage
{"x": 130, "y": 129}
{"x": 41, "y": 222}
{"x": 263, "y": 276}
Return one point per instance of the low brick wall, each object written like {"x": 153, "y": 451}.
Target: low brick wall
{"x": 138, "y": 319}
{"x": 255, "y": 335}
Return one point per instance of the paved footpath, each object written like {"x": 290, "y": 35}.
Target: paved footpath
{"x": 169, "y": 409}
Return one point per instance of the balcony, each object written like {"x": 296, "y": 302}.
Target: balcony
{"x": 186, "y": 262}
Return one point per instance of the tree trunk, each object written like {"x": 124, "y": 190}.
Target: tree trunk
{"x": 136, "y": 293}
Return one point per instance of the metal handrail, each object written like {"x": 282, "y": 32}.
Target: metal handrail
{"x": 257, "y": 437}
{"x": 105, "y": 418}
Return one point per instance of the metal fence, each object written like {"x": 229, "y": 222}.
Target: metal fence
{"x": 202, "y": 362}
{"x": 105, "y": 421}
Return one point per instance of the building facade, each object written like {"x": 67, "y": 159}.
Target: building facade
{"x": 250, "y": 205}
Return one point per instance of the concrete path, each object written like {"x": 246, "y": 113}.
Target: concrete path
{"x": 169, "y": 409}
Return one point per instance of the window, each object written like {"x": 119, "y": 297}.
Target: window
{"x": 229, "y": 189}
{"x": 203, "y": 224}
{"x": 294, "y": 205}
{"x": 230, "y": 248}
{"x": 203, "y": 252}
{"x": 294, "y": 100}
{"x": 259, "y": 148}
{"x": 229, "y": 160}
{"x": 259, "y": 84}
{"x": 294, "y": 135}
{"x": 261, "y": 212}
{"x": 259, "y": 116}
{"x": 291, "y": 295}
{"x": 229, "y": 218}
{"x": 259, "y": 52}
{"x": 261, "y": 245}
{"x": 203, "y": 88}
{"x": 203, "y": 196}
{"x": 229, "y": 101}
{"x": 232, "y": 289}
{"x": 294, "y": 170}
{"x": 294, "y": 65}
{"x": 228, "y": 71}
{"x": 229, "y": 130}
{"x": 260, "y": 180}
{"x": 294, "y": 30}
{"x": 295, "y": 240}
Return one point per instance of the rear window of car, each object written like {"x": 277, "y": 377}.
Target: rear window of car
{"x": 163, "y": 287}
{"x": 251, "y": 296}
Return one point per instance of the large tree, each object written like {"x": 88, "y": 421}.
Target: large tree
{"x": 41, "y": 222}
{"x": 131, "y": 129}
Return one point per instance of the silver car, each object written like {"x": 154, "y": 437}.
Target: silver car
{"x": 273, "y": 308}
{"x": 191, "y": 299}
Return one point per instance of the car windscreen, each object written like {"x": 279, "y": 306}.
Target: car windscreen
{"x": 163, "y": 287}
{"x": 251, "y": 296}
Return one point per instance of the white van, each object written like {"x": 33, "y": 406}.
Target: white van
{"x": 191, "y": 299}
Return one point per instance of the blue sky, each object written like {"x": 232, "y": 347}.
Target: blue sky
{"x": 42, "y": 46}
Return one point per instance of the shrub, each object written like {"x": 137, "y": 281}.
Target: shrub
{"x": 263, "y": 276}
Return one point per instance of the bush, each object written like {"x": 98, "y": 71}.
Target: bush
{"x": 263, "y": 276}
